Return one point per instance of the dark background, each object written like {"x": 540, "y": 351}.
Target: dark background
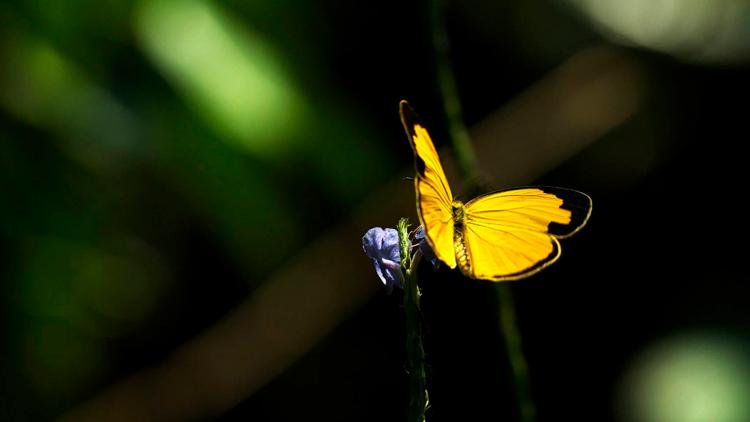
{"x": 163, "y": 162}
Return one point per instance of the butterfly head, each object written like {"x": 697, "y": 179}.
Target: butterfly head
{"x": 458, "y": 211}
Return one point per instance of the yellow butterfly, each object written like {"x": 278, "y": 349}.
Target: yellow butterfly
{"x": 503, "y": 235}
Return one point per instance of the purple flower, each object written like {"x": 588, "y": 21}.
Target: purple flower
{"x": 427, "y": 251}
{"x": 381, "y": 245}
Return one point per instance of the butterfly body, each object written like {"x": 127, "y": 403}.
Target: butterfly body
{"x": 459, "y": 241}
{"x": 502, "y": 235}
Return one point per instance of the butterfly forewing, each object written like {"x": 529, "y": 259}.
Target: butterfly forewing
{"x": 578, "y": 203}
{"x": 509, "y": 234}
{"x": 434, "y": 195}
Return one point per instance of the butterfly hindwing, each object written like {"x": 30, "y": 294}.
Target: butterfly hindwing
{"x": 501, "y": 256}
{"x": 512, "y": 234}
{"x": 434, "y": 195}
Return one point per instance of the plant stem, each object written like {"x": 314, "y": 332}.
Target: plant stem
{"x": 467, "y": 163}
{"x": 414, "y": 350}
{"x": 516, "y": 358}
{"x": 446, "y": 80}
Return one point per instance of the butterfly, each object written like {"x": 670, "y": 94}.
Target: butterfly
{"x": 503, "y": 235}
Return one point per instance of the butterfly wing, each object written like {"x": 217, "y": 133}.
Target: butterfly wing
{"x": 512, "y": 234}
{"x": 434, "y": 195}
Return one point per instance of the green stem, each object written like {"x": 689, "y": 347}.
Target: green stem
{"x": 414, "y": 350}
{"x": 446, "y": 80}
{"x": 467, "y": 163}
{"x": 513, "y": 347}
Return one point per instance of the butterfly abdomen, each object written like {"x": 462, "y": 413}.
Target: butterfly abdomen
{"x": 459, "y": 241}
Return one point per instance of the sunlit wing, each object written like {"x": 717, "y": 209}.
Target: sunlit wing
{"x": 512, "y": 234}
{"x": 434, "y": 196}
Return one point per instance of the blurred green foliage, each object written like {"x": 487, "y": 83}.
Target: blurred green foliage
{"x": 126, "y": 127}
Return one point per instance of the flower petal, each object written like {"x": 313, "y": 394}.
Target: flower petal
{"x": 382, "y": 246}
